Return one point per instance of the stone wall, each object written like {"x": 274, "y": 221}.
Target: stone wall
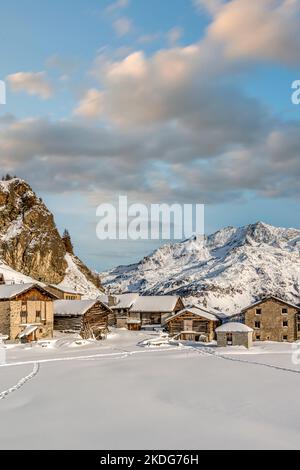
{"x": 238, "y": 339}
{"x": 30, "y": 308}
{"x": 271, "y": 321}
{"x": 4, "y": 318}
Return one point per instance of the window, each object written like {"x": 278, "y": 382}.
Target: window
{"x": 43, "y": 316}
{"x": 257, "y": 324}
{"x": 284, "y": 311}
{"x": 284, "y": 338}
{"x": 23, "y": 317}
{"x": 258, "y": 311}
{"x": 38, "y": 316}
{"x": 257, "y": 337}
{"x": 229, "y": 338}
{"x": 285, "y": 324}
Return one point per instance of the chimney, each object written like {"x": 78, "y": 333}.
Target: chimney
{"x": 112, "y": 299}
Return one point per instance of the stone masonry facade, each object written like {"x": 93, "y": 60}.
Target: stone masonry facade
{"x": 273, "y": 320}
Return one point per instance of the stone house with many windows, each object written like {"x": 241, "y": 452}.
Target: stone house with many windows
{"x": 26, "y": 312}
{"x": 273, "y": 319}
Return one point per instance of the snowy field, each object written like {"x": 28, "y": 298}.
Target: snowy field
{"x": 119, "y": 395}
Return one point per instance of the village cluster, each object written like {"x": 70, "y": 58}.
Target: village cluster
{"x": 30, "y": 312}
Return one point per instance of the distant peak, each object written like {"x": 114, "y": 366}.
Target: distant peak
{"x": 12, "y": 181}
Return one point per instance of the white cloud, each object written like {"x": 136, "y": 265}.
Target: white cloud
{"x": 173, "y": 128}
{"x": 258, "y": 30}
{"x": 174, "y": 35}
{"x": 118, "y": 5}
{"x": 33, "y": 83}
{"x": 66, "y": 156}
{"x": 170, "y": 84}
{"x": 148, "y": 38}
{"x": 210, "y": 6}
{"x": 91, "y": 105}
{"x": 123, "y": 26}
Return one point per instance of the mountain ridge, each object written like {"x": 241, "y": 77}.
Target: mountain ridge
{"x": 226, "y": 270}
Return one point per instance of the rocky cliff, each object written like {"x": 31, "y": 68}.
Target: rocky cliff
{"x": 29, "y": 240}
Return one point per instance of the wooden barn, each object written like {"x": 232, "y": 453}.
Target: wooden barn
{"x": 109, "y": 301}
{"x": 193, "y": 324}
{"x": 26, "y": 312}
{"x": 153, "y": 310}
{"x": 89, "y": 318}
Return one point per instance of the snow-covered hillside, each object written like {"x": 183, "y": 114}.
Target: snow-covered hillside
{"x": 76, "y": 280}
{"x": 227, "y": 270}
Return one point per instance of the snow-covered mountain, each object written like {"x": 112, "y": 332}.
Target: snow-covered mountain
{"x": 226, "y": 270}
{"x": 31, "y": 248}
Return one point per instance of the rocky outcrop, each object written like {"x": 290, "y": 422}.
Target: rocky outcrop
{"x": 29, "y": 240}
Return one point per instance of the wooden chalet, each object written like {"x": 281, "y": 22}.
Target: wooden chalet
{"x": 153, "y": 310}
{"x": 193, "y": 324}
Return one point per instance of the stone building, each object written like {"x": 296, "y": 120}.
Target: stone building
{"x": 234, "y": 334}
{"x": 273, "y": 319}
{"x": 26, "y": 312}
{"x": 65, "y": 293}
{"x": 193, "y": 324}
{"x": 120, "y": 306}
{"x": 153, "y": 310}
{"x": 89, "y": 318}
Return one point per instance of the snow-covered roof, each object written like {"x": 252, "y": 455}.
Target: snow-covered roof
{"x": 103, "y": 298}
{"x": 72, "y": 307}
{"x": 28, "y": 330}
{"x": 264, "y": 299}
{"x": 125, "y": 301}
{"x": 233, "y": 327}
{"x": 154, "y": 303}
{"x": 66, "y": 289}
{"x": 9, "y": 291}
{"x": 198, "y": 311}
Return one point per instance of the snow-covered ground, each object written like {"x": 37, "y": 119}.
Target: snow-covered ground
{"x": 117, "y": 394}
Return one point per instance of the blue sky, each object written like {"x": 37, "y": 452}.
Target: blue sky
{"x": 188, "y": 105}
